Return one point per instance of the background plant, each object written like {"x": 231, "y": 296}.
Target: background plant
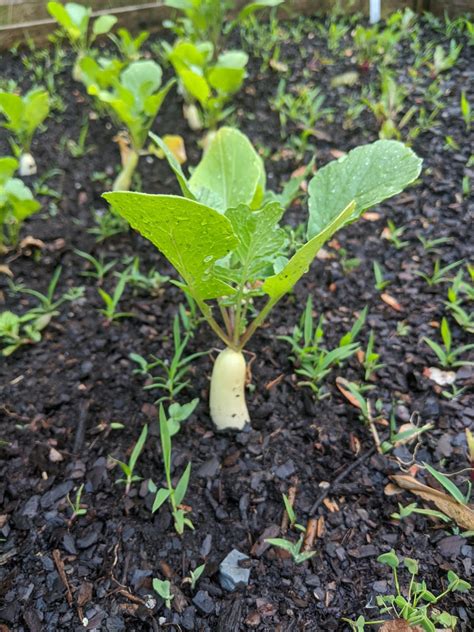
{"x": 16, "y": 202}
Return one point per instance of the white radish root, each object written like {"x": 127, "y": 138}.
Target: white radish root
{"x": 227, "y": 394}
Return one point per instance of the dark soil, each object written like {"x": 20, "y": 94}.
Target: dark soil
{"x": 59, "y": 397}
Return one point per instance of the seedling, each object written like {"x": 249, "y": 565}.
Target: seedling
{"x": 442, "y": 60}
{"x": 457, "y": 294}
{"x": 466, "y": 111}
{"x": 107, "y": 225}
{"x": 449, "y": 486}
{"x": 432, "y": 244}
{"x": 151, "y": 282}
{"x": 225, "y": 241}
{"x": 174, "y": 495}
{"x": 380, "y": 282}
{"x": 446, "y": 355}
{"x": 194, "y": 576}
{"x": 209, "y": 20}
{"x": 100, "y": 267}
{"x": 79, "y": 149}
{"x": 129, "y": 468}
{"x": 351, "y": 335}
{"x": 400, "y": 436}
{"x": 415, "y": 605}
{"x": 294, "y": 548}
{"x": 439, "y": 274}
{"x": 163, "y": 588}
{"x": 112, "y": 300}
{"x": 208, "y": 81}
{"x": 394, "y": 234}
{"x": 313, "y": 362}
{"x": 171, "y": 381}
{"x": 16, "y": 202}
{"x": 292, "y": 515}
{"x": 406, "y": 512}
{"x": 74, "y": 21}
{"x": 371, "y": 358}
{"x": 132, "y": 98}
{"x": 78, "y": 509}
{"x": 24, "y": 114}
{"x": 129, "y": 46}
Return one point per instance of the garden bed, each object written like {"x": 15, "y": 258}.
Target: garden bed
{"x": 58, "y": 398}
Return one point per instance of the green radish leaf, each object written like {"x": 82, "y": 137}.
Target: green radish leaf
{"x": 182, "y": 486}
{"x": 261, "y": 240}
{"x": 279, "y": 284}
{"x": 175, "y": 166}
{"x": 367, "y": 175}
{"x": 190, "y": 235}
{"x": 103, "y": 24}
{"x": 255, "y": 6}
{"x": 231, "y": 170}
{"x": 162, "y": 496}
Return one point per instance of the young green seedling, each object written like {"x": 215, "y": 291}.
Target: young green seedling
{"x": 371, "y": 358}
{"x": 112, "y": 300}
{"x": 417, "y": 604}
{"x": 449, "y": 486}
{"x": 129, "y": 468}
{"x": 447, "y": 356}
{"x": 432, "y": 244}
{"x": 24, "y": 114}
{"x": 100, "y": 267}
{"x": 294, "y": 548}
{"x": 194, "y": 576}
{"x": 175, "y": 495}
{"x": 78, "y": 509}
{"x": 163, "y": 588}
{"x": 439, "y": 274}
{"x": 380, "y": 282}
{"x": 129, "y": 46}
{"x": 16, "y": 202}
{"x": 224, "y": 239}
{"x": 394, "y": 234}
{"x": 74, "y": 21}
{"x": 132, "y": 98}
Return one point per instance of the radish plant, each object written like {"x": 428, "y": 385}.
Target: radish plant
{"x": 74, "y": 21}
{"x": 16, "y": 202}
{"x": 224, "y": 239}
{"x": 24, "y": 114}
{"x": 132, "y": 98}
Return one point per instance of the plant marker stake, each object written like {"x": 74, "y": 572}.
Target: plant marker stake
{"x": 374, "y": 11}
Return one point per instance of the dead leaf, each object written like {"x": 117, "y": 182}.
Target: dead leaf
{"x": 4, "y": 269}
{"x": 391, "y": 302}
{"x": 337, "y": 153}
{"x": 354, "y": 444}
{"x": 341, "y": 385}
{"x": 331, "y": 505}
{"x": 274, "y": 382}
{"x": 278, "y": 65}
{"x": 399, "y": 625}
{"x": 31, "y": 242}
{"x": 123, "y": 142}
{"x": 176, "y": 146}
{"x": 442, "y": 378}
{"x": 463, "y": 515}
{"x": 84, "y": 594}
{"x": 391, "y": 490}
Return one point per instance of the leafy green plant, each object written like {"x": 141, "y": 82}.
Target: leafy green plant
{"x": 78, "y": 509}
{"x": 152, "y": 282}
{"x": 107, "y": 225}
{"x": 439, "y": 274}
{"x": 388, "y": 105}
{"x": 133, "y": 99}
{"x": 432, "y": 244}
{"x": 371, "y": 358}
{"x": 99, "y": 268}
{"x": 412, "y": 508}
{"x": 171, "y": 381}
{"x": 442, "y": 60}
{"x": 208, "y": 81}
{"x": 194, "y": 576}
{"x": 128, "y": 469}
{"x": 449, "y": 486}
{"x": 16, "y": 202}
{"x": 112, "y": 300}
{"x": 312, "y": 360}
{"x": 459, "y": 292}
{"x": 294, "y": 548}
{"x": 290, "y": 512}
{"x": 17, "y": 331}
{"x": 380, "y": 282}
{"x": 210, "y": 20}
{"x": 394, "y": 235}
{"x": 447, "y": 356}
{"x": 174, "y": 495}
{"x": 302, "y": 106}
{"x": 78, "y": 148}
{"x": 416, "y": 605}
{"x": 262, "y": 40}
{"x": 466, "y": 111}
{"x": 23, "y": 115}
{"x": 129, "y": 46}
{"x": 225, "y": 242}
{"x": 74, "y": 20}
{"x": 163, "y": 588}
{"x": 376, "y": 44}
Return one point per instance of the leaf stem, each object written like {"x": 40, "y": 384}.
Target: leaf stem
{"x": 256, "y": 322}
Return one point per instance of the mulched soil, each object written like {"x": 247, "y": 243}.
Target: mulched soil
{"x": 59, "y": 397}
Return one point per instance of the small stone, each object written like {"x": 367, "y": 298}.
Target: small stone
{"x": 231, "y": 575}
{"x": 285, "y": 470}
{"x": 203, "y": 602}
